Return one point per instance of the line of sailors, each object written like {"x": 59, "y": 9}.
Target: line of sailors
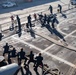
{"x": 21, "y": 55}
{"x": 43, "y": 20}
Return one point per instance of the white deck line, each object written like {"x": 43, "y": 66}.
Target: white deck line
{"x": 61, "y": 30}
{"x": 70, "y": 34}
{"x": 49, "y": 54}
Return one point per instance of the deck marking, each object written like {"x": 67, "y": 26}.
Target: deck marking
{"x": 49, "y": 54}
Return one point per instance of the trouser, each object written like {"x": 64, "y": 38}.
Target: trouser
{"x": 37, "y": 65}
{"x": 53, "y": 25}
{"x": 20, "y": 59}
{"x": 31, "y": 61}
